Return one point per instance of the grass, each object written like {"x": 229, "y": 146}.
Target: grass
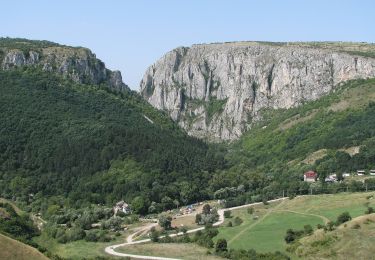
{"x": 77, "y": 249}
{"x": 266, "y": 234}
{"x": 11, "y": 249}
{"x": 186, "y": 251}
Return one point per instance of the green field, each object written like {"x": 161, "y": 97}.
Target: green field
{"x": 77, "y": 249}
{"x": 266, "y": 234}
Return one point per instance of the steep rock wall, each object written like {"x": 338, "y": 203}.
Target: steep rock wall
{"x": 216, "y": 91}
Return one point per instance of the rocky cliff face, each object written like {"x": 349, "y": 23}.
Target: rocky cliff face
{"x": 216, "y": 91}
{"x": 78, "y": 64}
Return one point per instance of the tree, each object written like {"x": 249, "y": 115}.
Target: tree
{"x": 206, "y": 209}
{"x": 154, "y": 235}
{"x": 139, "y": 205}
{"x": 221, "y": 245}
{"x": 165, "y": 221}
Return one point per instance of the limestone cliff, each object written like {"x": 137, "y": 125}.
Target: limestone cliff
{"x": 76, "y": 63}
{"x": 216, "y": 91}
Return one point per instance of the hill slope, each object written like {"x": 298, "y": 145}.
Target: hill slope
{"x": 14, "y": 250}
{"x": 334, "y": 134}
{"x": 60, "y": 138}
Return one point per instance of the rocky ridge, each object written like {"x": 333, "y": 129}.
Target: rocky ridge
{"x": 76, "y": 63}
{"x": 216, "y": 91}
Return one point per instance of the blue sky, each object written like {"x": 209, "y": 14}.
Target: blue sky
{"x": 131, "y": 35}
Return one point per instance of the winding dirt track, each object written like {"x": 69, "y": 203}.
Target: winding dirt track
{"x": 129, "y": 241}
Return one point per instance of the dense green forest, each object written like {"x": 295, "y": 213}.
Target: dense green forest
{"x": 88, "y": 144}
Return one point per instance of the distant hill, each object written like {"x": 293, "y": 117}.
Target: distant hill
{"x": 11, "y": 249}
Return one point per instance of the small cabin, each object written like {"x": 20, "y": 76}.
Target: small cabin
{"x": 372, "y": 172}
{"x": 361, "y": 172}
{"x": 310, "y": 176}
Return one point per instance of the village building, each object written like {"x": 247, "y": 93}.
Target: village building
{"x": 310, "y": 176}
{"x": 123, "y": 207}
{"x": 361, "y": 172}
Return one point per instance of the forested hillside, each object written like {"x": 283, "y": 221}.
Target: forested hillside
{"x": 334, "y": 134}
{"x": 87, "y": 144}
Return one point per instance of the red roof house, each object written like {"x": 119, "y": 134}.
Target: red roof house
{"x": 310, "y": 176}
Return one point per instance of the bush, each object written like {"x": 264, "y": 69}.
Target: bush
{"x": 91, "y": 236}
{"x": 154, "y": 235}
{"x": 342, "y": 218}
{"x": 319, "y": 226}
{"x": 330, "y": 226}
{"x": 369, "y": 210}
{"x": 250, "y": 210}
{"x": 221, "y": 245}
{"x": 230, "y": 224}
{"x": 237, "y": 221}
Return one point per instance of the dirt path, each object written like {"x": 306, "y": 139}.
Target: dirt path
{"x": 325, "y": 219}
{"x": 129, "y": 241}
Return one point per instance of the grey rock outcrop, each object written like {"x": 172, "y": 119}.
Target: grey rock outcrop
{"x": 217, "y": 91}
{"x": 78, "y": 64}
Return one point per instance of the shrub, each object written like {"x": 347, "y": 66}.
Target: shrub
{"x": 319, "y": 226}
{"x": 221, "y": 245}
{"x": 369, "y": 210}
{"x": 250, "y": 210}
{"x": 154, "y": 235}
{"x": 237, "y": 221}
{"x": 342, "y": 218}
{"x": 330, "y": 226}
{"x": 230, "y": 224}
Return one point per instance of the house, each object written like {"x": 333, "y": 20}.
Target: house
{"x": 372, "y": 172}
{"x": 310, "y": 176}
{"x": 123, "y": 207}
{"x": 361, "y": 172}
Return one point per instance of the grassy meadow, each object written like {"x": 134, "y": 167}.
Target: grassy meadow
{"x": 266, "y": 233}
